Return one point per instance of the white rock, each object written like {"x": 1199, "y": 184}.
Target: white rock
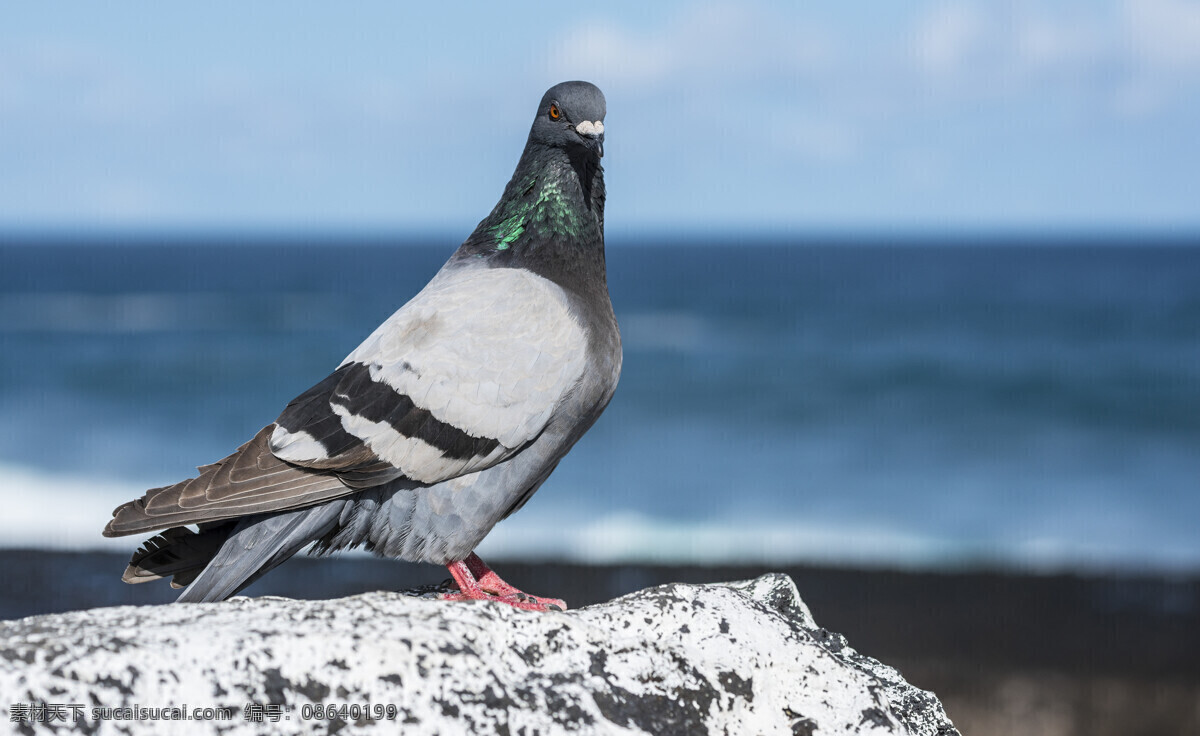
{"x": 734, "y": 658}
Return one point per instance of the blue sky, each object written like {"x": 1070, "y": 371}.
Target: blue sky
{"x": 804, "y": 116}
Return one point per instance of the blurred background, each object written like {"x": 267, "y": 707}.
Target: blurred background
{"x": 910, "y": 297}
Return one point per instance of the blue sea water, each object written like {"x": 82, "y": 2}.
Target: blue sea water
{"x": 930, "y": 405}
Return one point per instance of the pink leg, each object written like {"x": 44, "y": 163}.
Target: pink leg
{"x": 477, "y": 581}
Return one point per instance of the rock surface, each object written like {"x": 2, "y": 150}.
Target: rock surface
{"x": 733, "y": 658}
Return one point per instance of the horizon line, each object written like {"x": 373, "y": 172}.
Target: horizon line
{"x": 665, "y": 234}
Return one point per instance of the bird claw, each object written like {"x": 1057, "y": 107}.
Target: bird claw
{"x": 520, "y": 600}
{"x": 477, "y": 582}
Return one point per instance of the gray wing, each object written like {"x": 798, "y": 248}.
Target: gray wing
{"x": 462, "y": 377}
{"x": 459, "y": 379}
{"x": 250, "y": 481}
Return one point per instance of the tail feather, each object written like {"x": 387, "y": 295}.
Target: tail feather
{"x": 178, "y": 552}
{"x": 256, "y": 545}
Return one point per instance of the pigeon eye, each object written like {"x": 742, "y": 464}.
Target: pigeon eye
{"x": 555, "y": 114}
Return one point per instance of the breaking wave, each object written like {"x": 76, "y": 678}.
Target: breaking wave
{"x": 67, "y": 511}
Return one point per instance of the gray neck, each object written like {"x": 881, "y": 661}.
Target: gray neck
{"x": 550, "y": 220}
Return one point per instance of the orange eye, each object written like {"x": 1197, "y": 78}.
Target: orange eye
{"x": 554, "y": 112}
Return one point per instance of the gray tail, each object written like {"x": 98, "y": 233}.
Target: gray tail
{"x": 222, "y": 558}
{"x": 256, "y": 545}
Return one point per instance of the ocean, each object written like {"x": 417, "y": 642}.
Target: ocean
{"x": 938, "y": 404}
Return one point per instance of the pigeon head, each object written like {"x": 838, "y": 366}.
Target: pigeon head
{"x": 550, "y": 219}
{"x": 571, "y": 116}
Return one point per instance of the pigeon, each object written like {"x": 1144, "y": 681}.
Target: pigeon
{"x": 445, "y": 420}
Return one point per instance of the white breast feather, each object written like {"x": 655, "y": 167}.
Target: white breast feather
{"x": 490, "y": 351}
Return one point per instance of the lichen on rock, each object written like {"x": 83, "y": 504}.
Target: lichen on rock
{"x": 730, "y": 658}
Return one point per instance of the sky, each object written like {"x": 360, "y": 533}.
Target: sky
{"x": 382, "y": 116}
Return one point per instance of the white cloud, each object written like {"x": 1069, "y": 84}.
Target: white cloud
{"x": 714, "y": 77}
{"x": 705, "y": 44}
{"x": 830, "y": 93}
{"x": 969, "y": 50}
{"x": 928, "y": 95}
{"x": 764, "y": 98}
{"x": 946, "y": 37}
{"x": 1165, "y": 33}
{"x": 623, "y": 57}
{"x": 76, "y": 80}
{"x": 1118, "y": 59}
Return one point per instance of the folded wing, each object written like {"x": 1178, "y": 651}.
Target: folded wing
{"x": 461, "y": 378}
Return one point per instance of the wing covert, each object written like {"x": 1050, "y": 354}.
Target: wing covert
{"x": 458, "y": 379}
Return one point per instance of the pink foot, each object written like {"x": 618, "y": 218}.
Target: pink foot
{"x": 477, "y": 582}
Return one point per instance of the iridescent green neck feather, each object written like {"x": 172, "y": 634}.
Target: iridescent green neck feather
{"x": 548, "y": 211}
{"x": 550, "y": 219}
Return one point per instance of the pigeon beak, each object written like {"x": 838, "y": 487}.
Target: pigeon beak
{"x": 593, "y": 134}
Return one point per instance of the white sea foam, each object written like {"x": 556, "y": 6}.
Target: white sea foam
{"x": 632, "y": 537}
{"x": 60, "y": 511}
{"x": 626, "y": 537}
{"x": 67, "y": 511}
